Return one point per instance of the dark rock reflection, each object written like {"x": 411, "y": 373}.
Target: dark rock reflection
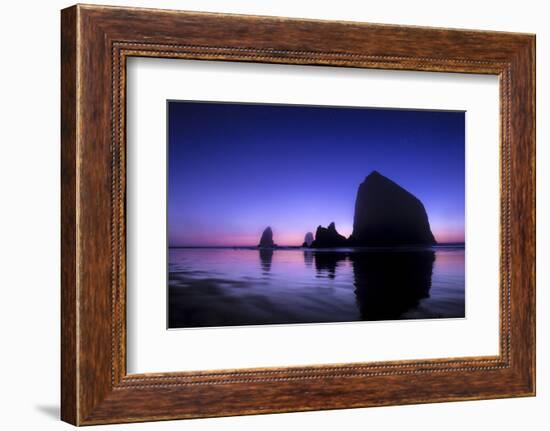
{"x": 387, "y": 282}
{"x": 266, "y": 257}
{"x": 308, "y": 258}
{"x": 327, "y": 262}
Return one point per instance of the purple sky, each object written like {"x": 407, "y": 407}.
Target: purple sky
{"x": 236, "y": 168}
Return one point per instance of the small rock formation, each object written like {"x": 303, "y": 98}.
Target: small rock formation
{"x": 329, "y": 237}
{"x": 266, "y": 241}
{"x": 388, "y": 215}
{"x": 308, "y": 240}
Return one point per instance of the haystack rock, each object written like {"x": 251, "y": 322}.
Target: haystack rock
{"x": 266, "y": 241}
{"x": 329, "y": 237}
{"x": 308, "y": 240}
{"x": 388, "y": 215}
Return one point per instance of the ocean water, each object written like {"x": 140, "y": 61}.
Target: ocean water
{"x": 212, "y": 287}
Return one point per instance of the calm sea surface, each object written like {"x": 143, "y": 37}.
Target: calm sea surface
{"x": 226, "y": 286}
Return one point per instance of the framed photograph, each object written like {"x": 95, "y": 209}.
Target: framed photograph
{"x": 266, "y": 215}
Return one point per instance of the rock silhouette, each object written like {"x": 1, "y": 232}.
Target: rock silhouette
{"x": 388, "y": 215}
{"x": 329, "y": 237}
{"x": 266, "y": 241}
{"x": 308, "y": 240}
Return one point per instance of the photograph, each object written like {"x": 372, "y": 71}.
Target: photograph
{"x": 301, "y": 214}
{"x": 275, "y": 210}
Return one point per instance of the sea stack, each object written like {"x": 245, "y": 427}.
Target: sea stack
{"x": 308, "y": 240}
{"x": 387, "y": 215}
{"x": 329, "y": 237}
{"x": 266, "y": 241}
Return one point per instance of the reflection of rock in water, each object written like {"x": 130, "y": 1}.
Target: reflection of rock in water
{"x": 266, "y": 257}
{"x": 327, "y": 261}
{"x": 308, "y": 258}
{"x": 388, "y": 283}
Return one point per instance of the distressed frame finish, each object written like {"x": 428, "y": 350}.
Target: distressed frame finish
{"x": 95, "y": 42}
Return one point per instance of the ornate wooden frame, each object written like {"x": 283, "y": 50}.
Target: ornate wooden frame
{"x": 95, "y": 43}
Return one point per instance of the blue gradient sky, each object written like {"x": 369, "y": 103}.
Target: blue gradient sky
{"x": 236, "y": 168}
